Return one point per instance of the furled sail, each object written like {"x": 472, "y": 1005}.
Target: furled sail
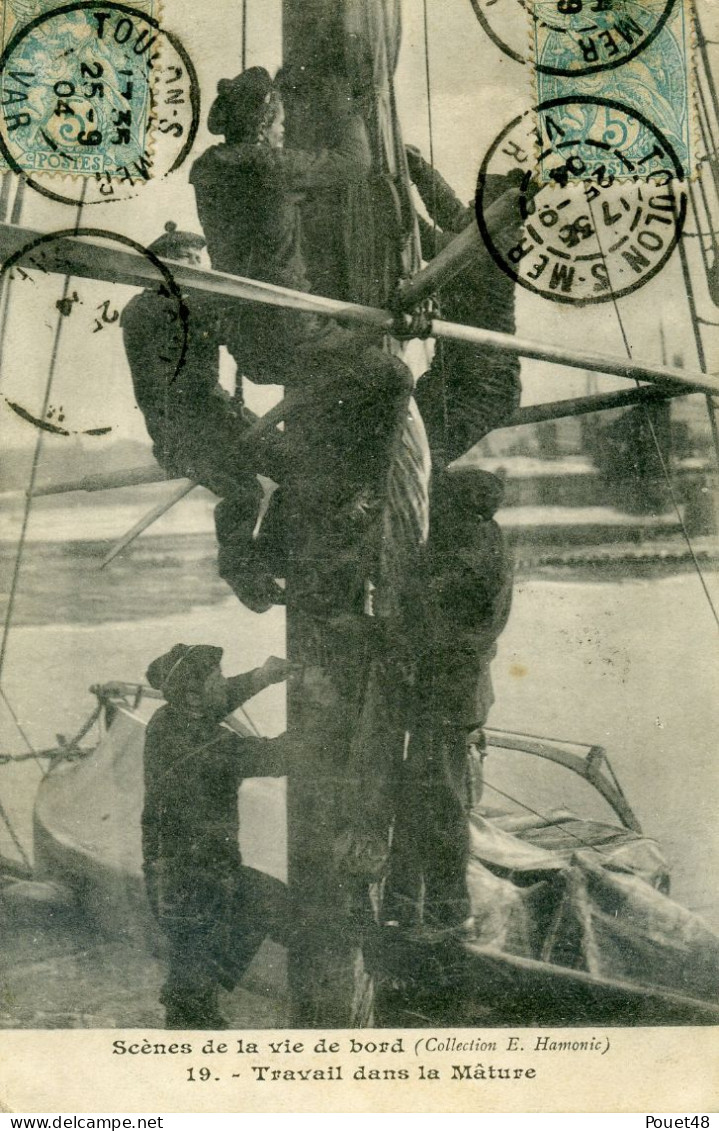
{"x": 339, "y": 58}
{"x": 359, "y": 242}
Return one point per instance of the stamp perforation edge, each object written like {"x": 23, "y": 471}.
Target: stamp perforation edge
{"x": 152, "y": 8}
{"x": 566, "y": 86}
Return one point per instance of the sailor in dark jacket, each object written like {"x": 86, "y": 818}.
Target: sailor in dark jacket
{"x": 354, "y": 396}
{"x": 198, "y": 429}
{"x": 466, "y": 587}
{"x": 214, "y": 911}
{"x": 466, "y": 600}
{"x": 469, "y": 389}
{"x": 195, "y": 426}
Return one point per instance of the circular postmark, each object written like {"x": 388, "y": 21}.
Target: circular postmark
{"x": 573, "y": 37}
{"x": 76, "y": 327}
{"x": 507, "y": 25}
{"x": 602, "y": 202}
{"x": 97, "y": 101}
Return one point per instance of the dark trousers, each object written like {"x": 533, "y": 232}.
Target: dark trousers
{"x": 427, "y": 877}
{"x": 467, "y": 392}
{"x": 213, "y": 933}
{"x": 341, "y": 434}
{"x": 347, "y": 394}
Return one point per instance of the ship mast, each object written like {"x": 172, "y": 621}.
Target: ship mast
{"x": 342, "y": 51}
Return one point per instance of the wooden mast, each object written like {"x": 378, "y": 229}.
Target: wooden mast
{"x": 329, "y": 980}
{"x": 326, "y": 978}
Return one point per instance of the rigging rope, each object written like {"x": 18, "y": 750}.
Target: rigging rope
{"x": 708, "y": 74}
{"x": 691, "y": 300}
{"x": 250, "y": 722}
{"x": 701, "y": 235}
{"x": 652, "y": 431}
{"x": 6, "y": 283}
{"x": 428, "y": 84}
{"x": 401, "y": 193}
{"x": 36, "y": 458}
{"x": 244, "y": 34}
{"x": 710, "y": 156}
{"x": 705, "y": 128}
{"x": 439, "y": 345}
{"x": 32, "y": 755}
{"x": 14, "y": 837}
{"x": 555, "y": 823}
{"x": 21, "y": 731}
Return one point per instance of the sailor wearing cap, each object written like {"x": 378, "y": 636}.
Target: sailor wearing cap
{"x": 466, "y": 597}
{"x": 174, "y": 362}
{"x": 250, "y": 191}
{"x": 197, "y": 428}
{"x": 213, "y": 910}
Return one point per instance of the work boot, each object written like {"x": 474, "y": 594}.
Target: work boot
{"x": 193, "y": 1009}
{"x": 239, "y": 561}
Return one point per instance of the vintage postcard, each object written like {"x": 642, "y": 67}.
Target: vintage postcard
{"x": 359, "y": 556}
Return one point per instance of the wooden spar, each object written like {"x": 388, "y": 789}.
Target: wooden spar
{"x": 156, "y": 513}
{"x": 136, "y": 476}
{"x": 457, "y": 255}
{"x": 662, "y": 375}
{"x": 580, "y": 406}
{"x": 587, "y": 764}
{"x": 445, "y": 265}
{"x": 88, "y": 258}
{"x": 260, "y": 425}
{"x": 531, "y": 414}
{"x": 105, "y": 481}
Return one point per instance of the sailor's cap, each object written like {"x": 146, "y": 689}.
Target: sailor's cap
{"x": 183, "y": 663}
{"x": 241, "y": 103}
{"x": 173, "y": 242}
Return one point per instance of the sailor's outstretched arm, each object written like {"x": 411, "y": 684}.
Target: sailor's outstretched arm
{"x": 303, "y": 169}
{"x": 242, "y": 687}
{"x": 250, "y": 757}
{"x": 438, "y": 197}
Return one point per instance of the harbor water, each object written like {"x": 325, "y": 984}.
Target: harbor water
{"x": 630, "y": 665}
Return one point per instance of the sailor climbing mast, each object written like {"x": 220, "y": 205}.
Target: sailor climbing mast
{"x": 359, "y": 244}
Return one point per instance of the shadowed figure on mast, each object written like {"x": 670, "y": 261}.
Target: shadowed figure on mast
{"x": 464, "y": 590}
{"x": 198, "y": 430}
{"x": 352, "y": 396}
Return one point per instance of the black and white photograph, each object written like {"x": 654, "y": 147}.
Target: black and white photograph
{"x": 359, "y": 552}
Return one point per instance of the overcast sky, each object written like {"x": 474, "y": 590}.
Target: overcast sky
{"x": 476, "y": 90}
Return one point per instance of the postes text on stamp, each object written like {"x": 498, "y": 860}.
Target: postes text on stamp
{"x": 97, "y": 91}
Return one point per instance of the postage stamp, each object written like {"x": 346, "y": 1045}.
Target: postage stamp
{"x": 87, "y": 89}
{"x": 584, "y": 35}
{"x": 602, "y": 203}
{"x": 637, "y": 54}
{"x": 581, "y": 37}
